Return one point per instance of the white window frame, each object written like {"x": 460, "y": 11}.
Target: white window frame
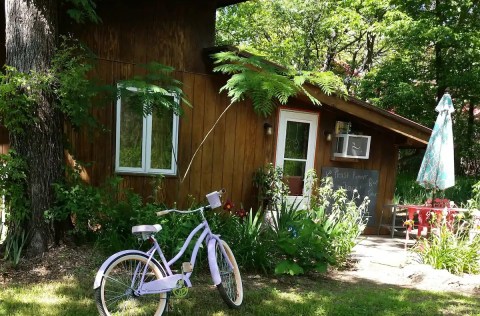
{"x": 146, "y": 143}
{"x": 311, "y": 118}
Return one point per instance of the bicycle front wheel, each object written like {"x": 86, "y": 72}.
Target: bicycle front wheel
{"x": 231, "y": 288}
{"x": 116, "y": 294}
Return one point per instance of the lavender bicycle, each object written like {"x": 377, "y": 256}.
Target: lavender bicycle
{"x": 133, "y": 282}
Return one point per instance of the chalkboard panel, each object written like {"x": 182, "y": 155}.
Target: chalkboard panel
{"x": 365, "y": 181}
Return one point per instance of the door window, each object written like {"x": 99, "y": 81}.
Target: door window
{"x": 297, "y": 136}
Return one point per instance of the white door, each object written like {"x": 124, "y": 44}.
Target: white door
{"x": 297, "y": 137}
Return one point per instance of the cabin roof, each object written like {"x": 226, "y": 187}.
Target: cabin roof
{"x": 223, "y": 3}
{"x": 417, "y": 135}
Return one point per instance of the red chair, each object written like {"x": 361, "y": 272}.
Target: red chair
{"x": 424, "y": 219}
{"x": 425, "y": 216}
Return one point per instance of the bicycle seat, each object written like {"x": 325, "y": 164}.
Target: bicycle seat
{"x": 146, "y": 229}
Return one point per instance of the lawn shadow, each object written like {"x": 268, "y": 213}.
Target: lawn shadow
{"x": 73, "y": 295}
{"x": 304, "y": 296}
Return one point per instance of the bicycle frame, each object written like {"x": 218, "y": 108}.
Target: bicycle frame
{"x": 171, "y": 280}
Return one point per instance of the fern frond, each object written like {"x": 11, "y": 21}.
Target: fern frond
{"x": 266, "y": 84}
{"x": 156, "y": 90}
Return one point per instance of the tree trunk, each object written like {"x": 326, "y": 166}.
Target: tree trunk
{"x": 370, "y": 47}
{"x": 31, "y": 35}
{"x": 439, "y": 62}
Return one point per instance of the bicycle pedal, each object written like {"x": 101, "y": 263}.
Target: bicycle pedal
{"x": 187, "y": 267}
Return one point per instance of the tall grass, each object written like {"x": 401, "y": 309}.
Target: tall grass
{"x": 451, "y": 249}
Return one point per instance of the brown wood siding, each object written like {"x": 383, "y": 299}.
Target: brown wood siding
{"x": 4, "y": 142}
{"x": 172, "y": 33}
{"x": 383, "y": 156}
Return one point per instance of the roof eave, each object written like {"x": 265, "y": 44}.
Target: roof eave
{"x": 391, "y": 121}
{"x": 224, "y": 3}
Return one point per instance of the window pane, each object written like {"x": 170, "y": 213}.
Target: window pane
{"x": 162, "y": 129}
{"x": 131, "y": 133}
{"x": 296, "y": 141}
{"x": 294, "y": 172}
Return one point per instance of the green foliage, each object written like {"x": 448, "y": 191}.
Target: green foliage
{"x": 323, "y": 234}
{"x": 14, "y": 245}
{"x": 271, "y": 186}
{"x": 156, "y": 90}
{"x": 288, "y": 267}
{"x": 339, "y": 218}
{"x": 19, "y": 92}
{"x": 345, "y": 37}
{"x": 300, "y": 242}
{"x": 72, "y": 88}
{"x": 397, "y": 86}
{"x": 474, "y": 202}
{"x": 398, "y": 55}
{"x": 82, "y": 11}
{"x": 452, "y": 250}
{"x": 66, "y": 82}
{"x": 267, "y": 84}
{"x": 408, "y": 191}
{"x": 455, "y": 247}
{"x": 246, "y": 236}
{"x": 13, "y": 184}
{"x": 77, "y": 200}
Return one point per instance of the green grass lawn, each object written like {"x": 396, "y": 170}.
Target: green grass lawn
{"x": 72, "y": 295}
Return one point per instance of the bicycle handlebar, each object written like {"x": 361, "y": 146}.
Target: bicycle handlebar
{"x": 208, "y": 207}
{"x": 161, "y": 213}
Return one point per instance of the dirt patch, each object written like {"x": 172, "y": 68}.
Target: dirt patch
{"x": 53, "y": 265}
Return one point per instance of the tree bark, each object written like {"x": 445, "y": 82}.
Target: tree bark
{"x": 31, "y": 36}
{"x": 370, "y": 47}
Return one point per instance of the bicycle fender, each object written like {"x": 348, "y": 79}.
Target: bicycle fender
{"x": 101, "y": 271}
{"x": 212, "y": 262}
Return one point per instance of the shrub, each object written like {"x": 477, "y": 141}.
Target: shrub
{"x": 271, "y": 186}
{"x": 12, "y": 187}
{"x": 249, "y": 239}
{"x": 322, "y": 235}
{"x": 300, "y": 242}
{"x": 341, "y": 219}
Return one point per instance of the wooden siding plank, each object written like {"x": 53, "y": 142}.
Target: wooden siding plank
{"x": 219, "y": 139}
{"x": 197, "y": 135}
{"x": 185, "y": 139}
{"x": 4, "y": 141}
{"x": 229, "y": 149}
{"x": 207, "y": 150}
{"x": 239, "y": 155}
{"x": 251, "y": 126}
{"x": 259, "y": 151}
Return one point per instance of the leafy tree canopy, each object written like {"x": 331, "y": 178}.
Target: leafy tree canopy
{"x": 400, "y": 55}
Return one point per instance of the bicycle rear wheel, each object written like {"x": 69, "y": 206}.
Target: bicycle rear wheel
{"x": 231, "y": 288}
{"x": 116, "y": 296}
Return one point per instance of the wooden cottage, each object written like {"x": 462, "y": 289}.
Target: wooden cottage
{"x": 352, "y": 141}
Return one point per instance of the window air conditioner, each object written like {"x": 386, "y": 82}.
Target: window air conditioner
{"x": 352, "y": 146}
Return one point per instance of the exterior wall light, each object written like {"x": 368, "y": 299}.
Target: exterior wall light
{"x": 268, "y": 129}
{"x": 328, "y": 135}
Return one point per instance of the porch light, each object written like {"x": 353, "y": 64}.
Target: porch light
{"x": 268, "y": 128}
{"x": 328, "y": 135}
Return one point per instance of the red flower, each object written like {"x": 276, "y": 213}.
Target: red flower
{"x": 242, "y": 213}
{"x": 228, "y": 206}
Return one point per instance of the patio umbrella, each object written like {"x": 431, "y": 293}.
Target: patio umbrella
{"x": 437, "y": 169}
